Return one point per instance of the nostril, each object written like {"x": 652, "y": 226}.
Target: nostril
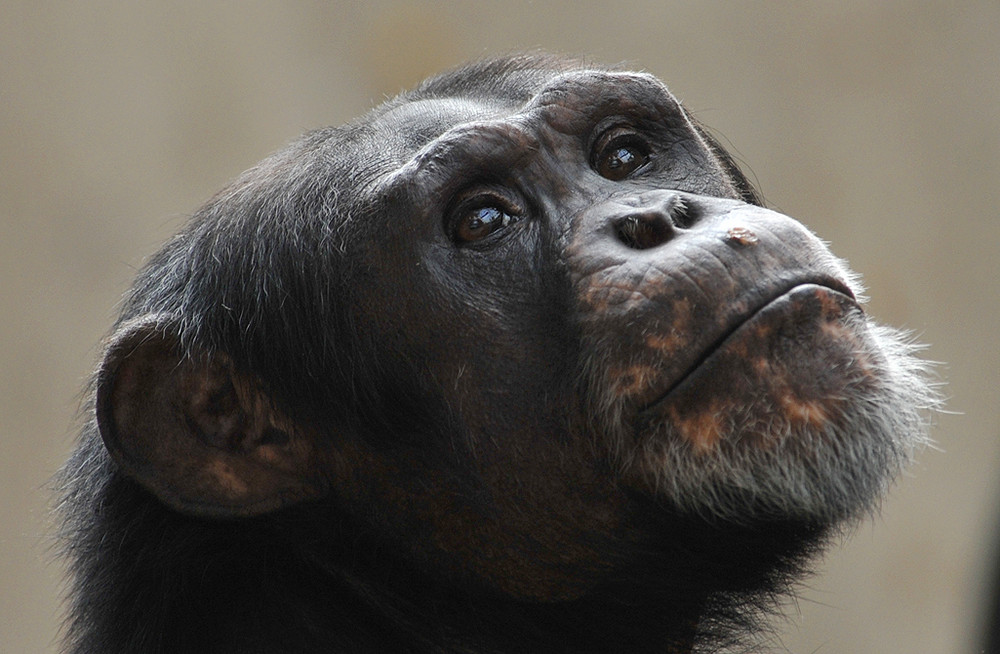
{"x": 682, "y": 214}
{"x": 642, "y": 231}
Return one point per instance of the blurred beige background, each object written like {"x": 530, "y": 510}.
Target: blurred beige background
{"x": 877, "y": 124}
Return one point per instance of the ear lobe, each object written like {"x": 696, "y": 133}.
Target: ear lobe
{"x": 203, "y": 438}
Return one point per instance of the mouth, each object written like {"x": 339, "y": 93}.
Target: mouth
{"x": 768, "y": 333}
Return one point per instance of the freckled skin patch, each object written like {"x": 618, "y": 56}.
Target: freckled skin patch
{"x": 603, "y": 298}
{"x": 811, "y": 413}
{"x": 702, "y": 429}
{"x": 675, "y": 332}
{"x": 632, "y": 380}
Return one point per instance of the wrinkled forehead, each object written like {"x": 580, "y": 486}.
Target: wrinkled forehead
{"x": 566, "y": 102}
{"x": 411, "y": 125}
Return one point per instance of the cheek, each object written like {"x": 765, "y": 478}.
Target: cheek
{"x": 646, "y": 324}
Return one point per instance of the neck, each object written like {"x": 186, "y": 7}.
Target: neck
{"x": 253, "y": 587}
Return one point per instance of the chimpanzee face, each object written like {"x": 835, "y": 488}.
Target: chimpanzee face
{"x": 713, "y": 350}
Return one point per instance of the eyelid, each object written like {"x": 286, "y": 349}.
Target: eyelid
{"x": 620, "y": 134}
{"x": 606, "y": 126}
{"x": 482, "y": 196}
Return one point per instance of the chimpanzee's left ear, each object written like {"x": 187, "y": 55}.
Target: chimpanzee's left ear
{"x": 203, "y": 438}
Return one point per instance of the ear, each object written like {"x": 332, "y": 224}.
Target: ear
{"x": 202, "y": 438}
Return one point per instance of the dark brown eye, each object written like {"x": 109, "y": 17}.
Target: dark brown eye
{"x": 618, "y": 157}
{"x": 478, "y": 222}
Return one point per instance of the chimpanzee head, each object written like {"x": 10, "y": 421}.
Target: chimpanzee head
{"x": 525, "y": 331}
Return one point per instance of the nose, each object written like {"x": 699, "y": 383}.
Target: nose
{"x": 648, "y": 220}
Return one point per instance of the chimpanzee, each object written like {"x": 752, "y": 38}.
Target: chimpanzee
{"x": 515, "y": 363}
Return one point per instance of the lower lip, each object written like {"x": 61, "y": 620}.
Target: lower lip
{"x": 806, "y": 307}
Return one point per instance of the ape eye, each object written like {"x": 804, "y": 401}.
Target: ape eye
{"x": 476, "y": 221}
{"x": 619, "y": 154}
